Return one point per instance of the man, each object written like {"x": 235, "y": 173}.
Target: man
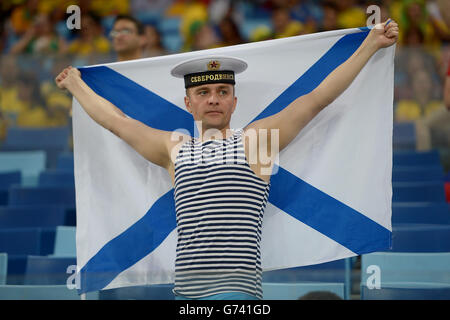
{"x": 220, "y": 203}
{"x": 127, "y": 37}
{"x": 447, "y": 88}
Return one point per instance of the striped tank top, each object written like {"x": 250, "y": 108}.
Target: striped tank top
{"x": 219, "y": 203}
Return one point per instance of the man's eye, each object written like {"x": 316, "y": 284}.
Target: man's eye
{"x": 223, "y": 92}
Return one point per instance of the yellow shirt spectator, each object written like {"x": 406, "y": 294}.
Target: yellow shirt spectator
{"x": 99, "y": 45}
{"x": 410, "y": 110}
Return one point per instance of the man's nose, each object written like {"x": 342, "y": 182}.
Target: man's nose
{"x": 213, "y": 99}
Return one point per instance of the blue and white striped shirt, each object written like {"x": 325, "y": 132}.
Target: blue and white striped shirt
{"x": 219, "y": 204}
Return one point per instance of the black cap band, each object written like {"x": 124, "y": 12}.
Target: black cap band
{"x": 207, "y": 77}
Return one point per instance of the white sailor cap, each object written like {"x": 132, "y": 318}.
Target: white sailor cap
{"x": 210, "y": 69}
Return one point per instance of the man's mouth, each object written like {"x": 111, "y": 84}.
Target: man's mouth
{"x": 213, "y": 112}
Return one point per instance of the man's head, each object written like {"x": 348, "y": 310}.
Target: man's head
{"x": 127, "y": 36}
{"x": 210, "y": 93}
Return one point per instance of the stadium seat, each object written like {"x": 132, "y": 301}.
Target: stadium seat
{"x": 334, "y": 271}
{"x": 172, "y": 42}
{"x": 42, "y": 195}
{"x": 6, "y": 180}
{"x": 26, "y": 241}
{"x": 65, "y": 161}
{"x": 3, "y": 267}
{"x": 404, "y": 136}
{"x": 57, "y": 178}
{"x": 420, "y": 238}
{"x": 418, "y": 192}
{"x": 51, "y": 140}
{"x": 150, "y": 292}
{"x": 17, "y": 264}
{"x": 29, "y": 163}
{"x": 407, "y": 291}
{"x": 408, "y": 266}
{"x": 416, "y": 158}
{"x": 32, "y": 216}
{"x": 169, "y": 26}
{"x": 42, "y": 270}
{"x": 417, "y": 174}
{"x": 420, "y": 212}
{"x": 293, "y": 291}
{"x": 36, "y": 292}
{"x": 65, "y": 242}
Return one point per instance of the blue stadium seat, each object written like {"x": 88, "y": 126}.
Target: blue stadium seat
{"x": 65, "y": 161}
{"x": 42, "y": 270}
{"x": 57, "y": 178}
{"x": 52, "y": 140}
{"x": 172, "y": 42}
{"x": 29, "y": 163}
{"x": 42, "y": 195}
{"x": 293, "y": 291}
{"x": 404, "y": 136}
{"x": 407, "y": 291}
{"x": 420, "y": 212}
{"x": 416, "y": 158}
{"x": 32, "y": 216}
{"x": 334, "y": 271}
{"x": 24, "y": 241}
{"x": 418, "y": 192}
{"x": 169, "y": 26}
{"x": 417, "y": 174}
{"x": 420, "y": 238}
{"x": 150, "y": 292}
{"x": 408, "y": 266}
{"x": 45, "y": 292}
{"x": 65, "y": 242}
{"x": 6, "y": 180}
{"x": 3, "y": 267}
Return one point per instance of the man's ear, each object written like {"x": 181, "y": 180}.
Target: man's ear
{"x": 235, "y": 104}
{"x": 187, "y": 103}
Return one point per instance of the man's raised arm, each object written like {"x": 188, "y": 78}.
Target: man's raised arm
{"x": 153, "y": 144}
{"x": 301, "y": 111}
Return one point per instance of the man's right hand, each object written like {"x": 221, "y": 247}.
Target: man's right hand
{"x": 67, "y": 76}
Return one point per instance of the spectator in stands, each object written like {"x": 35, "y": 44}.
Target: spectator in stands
{"x": 229, "y": 32}
{"x": 22, "y": 16}
{"x": 330, "y": 13}
{"x": 91, "y": 39}
{"x": 320, "y": 295}
{"x": 127, "y": 37}
{"x": 9, "y": 101}
{"x": 416, "y": 19}
{"x": 153, "y": 44}
{"x": 205, "y": 38}
{"x": 423, "y": 101}
{"x": 40, "y": 38}
{"x": 447, "y": 89}
{"x": 284, "y": 25}
{"x": 308, "y": 12}
{"x": 350, "y": 15}
{"x": 34, "y": 112}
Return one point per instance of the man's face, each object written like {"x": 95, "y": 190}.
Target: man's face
{"x": 125, "y": 36}
{"x": 213, "y": 104}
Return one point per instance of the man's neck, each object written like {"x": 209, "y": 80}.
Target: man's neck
{"x": 215, "y": 134}
{"x": 125, "y": 56}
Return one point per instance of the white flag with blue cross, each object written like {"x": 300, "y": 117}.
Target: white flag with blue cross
{"x": 329, "y": 199}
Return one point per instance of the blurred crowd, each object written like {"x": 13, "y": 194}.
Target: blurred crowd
{"x": 36, "y": 44}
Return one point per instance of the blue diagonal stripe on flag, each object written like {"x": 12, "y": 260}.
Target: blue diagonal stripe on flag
{"x": 121, "y": 252}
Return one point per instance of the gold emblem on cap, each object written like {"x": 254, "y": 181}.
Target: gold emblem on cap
{"x": 213, "y": 65}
